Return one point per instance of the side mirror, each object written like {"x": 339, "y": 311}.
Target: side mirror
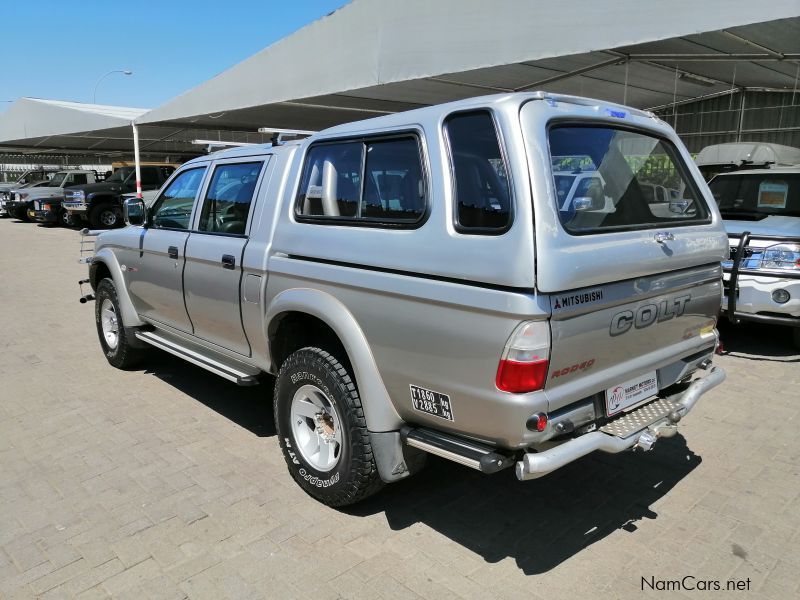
{"x": 134, "y": 211}
{"x": 583, "y": 203}
{"x": 679, "y": 207}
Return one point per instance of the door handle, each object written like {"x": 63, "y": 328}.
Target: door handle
{"x": 173, "y": 251}
{"x": 664, "y": 236}
{"x": 228, "y": 261}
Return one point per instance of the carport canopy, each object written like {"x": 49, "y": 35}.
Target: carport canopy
{"x": 36, "y": 126}
{"x": 373, "y": 57}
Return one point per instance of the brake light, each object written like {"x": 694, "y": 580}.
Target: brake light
{"x": 523, "y": 366}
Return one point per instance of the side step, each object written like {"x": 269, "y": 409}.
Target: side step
{"x": 237, "y": 373}
{"x": 465, "y": 452}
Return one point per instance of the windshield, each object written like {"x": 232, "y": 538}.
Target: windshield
{"x": 58, "y": 178}
{"x": 757, "y": 196}
{"x": 623, "y": 189}
{"x": 120, "y": 175}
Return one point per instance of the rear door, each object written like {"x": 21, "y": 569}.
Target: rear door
{"x": 626, "y": 232}
{"x": 634, "y": 282}
{"x": 213, "y": 272}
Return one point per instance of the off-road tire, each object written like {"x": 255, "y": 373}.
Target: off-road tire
{"x": 355, "y": 476}
{"x": 98, "y": 216}
{"x": 125, "y": 355}
{"x": 22, "y": 214}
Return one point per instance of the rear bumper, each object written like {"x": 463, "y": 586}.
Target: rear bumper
{"x": 537, "y": 464}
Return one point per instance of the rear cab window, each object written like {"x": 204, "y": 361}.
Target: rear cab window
{"x": 615, "y": 179}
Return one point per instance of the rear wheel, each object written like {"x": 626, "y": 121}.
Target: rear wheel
{"x": 114, "y": 338}
{"x": 322, "y": 431}
{"x": 105, "y": 216}
{"x": 21, "y": 213}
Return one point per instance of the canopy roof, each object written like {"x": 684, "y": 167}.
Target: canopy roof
{"x": 379, "y": 56}
{"x": 35, "y": 126}
{"x": 756, "y": 153}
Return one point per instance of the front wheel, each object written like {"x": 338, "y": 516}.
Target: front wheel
{"x": 322, "y": 431}
{"x": 105, "y": 216}
{"x": 796, "y": 336}
{"x": 114, "y": 338}
{"x": 64, "y": 218}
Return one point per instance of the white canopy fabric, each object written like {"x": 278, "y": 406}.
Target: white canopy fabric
{"x": 38, "y": 126}
{"x": 374, "y": 57}
{"x": 29, "y": 118}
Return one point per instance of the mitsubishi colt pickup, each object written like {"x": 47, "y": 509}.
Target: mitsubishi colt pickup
{"x": 416, "y": 284}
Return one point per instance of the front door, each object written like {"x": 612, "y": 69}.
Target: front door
{"x": 213, "y": 271}
{"x": 156, "y": 281}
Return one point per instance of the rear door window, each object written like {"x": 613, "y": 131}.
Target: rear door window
{"x": 227, "y": 202}
{"x": 630, "y": 175}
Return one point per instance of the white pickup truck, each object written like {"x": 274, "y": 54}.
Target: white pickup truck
{"x": 21, "y": 204}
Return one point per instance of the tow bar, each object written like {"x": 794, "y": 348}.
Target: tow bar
{"x": 537, "y": 464}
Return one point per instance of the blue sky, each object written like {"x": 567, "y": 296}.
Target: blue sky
{"x": 57, "y": 49}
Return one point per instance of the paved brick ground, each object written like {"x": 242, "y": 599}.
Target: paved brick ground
{"x": 167, "y": 483}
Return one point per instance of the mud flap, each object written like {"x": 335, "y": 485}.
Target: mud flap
{"x": 394, "y": 459}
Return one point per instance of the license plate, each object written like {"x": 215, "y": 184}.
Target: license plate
{"x": 630, "y": 392}
{"x": 433, "y": 403}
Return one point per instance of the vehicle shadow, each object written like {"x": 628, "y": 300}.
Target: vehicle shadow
{"x": 539, "y": 523}
{"x": 250, "y": 407}
{"x": 758, "y": 342}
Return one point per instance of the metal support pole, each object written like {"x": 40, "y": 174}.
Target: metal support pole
{"x": 137, "y": 161}
{"x": 741, "y": 119}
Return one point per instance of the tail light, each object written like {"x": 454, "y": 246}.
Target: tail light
{"x": 46, "y": 207}
{"x": 523, "y": 366}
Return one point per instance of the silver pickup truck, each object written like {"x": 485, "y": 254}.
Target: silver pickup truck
{"x": 416, "y": 285}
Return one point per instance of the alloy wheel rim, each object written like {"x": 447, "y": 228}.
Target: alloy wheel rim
{"x": 316, "y": 427}
{"x": 108, "y": 218}
{"x": 109, "y": 323}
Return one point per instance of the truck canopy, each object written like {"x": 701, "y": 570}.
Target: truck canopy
{"x": 748, "y": 154}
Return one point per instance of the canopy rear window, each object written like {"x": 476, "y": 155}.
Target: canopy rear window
{"x": 612, "y": 179}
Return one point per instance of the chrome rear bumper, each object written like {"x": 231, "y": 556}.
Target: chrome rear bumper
{"x": 537, "y": 464}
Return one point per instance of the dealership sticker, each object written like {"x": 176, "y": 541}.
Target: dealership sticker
{"x": 772, "y": 194}
{"x": 631, "y": 392}
{"x": 432, "y": 403}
